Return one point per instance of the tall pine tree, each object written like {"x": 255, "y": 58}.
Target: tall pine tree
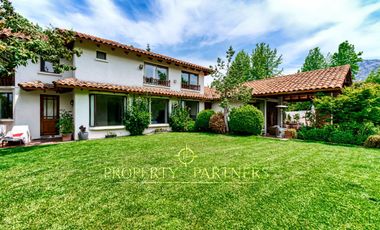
{"x": 265, "y": 62}
{"x": 241, "y": 66}
{"x": 314, "y": 60}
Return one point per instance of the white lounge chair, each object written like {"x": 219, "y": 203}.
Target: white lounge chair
{"x": 19, "y": 133}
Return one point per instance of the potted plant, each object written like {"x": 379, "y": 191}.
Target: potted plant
{"x": 66, "y": 125}
{"x": 82, "y": 135}
{"x": 110, "y": 135}
{"x": 290, "y": 133}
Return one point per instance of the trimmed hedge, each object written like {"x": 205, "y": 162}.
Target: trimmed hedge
{"x": 217, "y": 124}
{"x": 203, "y": 120}
{"x": 246, "y": 120}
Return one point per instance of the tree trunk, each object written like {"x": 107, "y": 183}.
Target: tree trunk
{"x": 225, "y": 112}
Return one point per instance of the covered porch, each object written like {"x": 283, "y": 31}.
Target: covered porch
{"x": 272, "y": 95}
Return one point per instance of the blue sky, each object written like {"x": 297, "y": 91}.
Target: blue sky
{"x": 201, "y": 30}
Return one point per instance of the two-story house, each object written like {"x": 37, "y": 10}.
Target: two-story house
{"x": 107, "y": 75}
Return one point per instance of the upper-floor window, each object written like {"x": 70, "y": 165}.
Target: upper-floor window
{"x": 101, "y": 55}
{"x": 6, "y": 102}
{"x": 190, "y": 81}
{"x": 156, "y": 75}
{"x": 47, "y": 66}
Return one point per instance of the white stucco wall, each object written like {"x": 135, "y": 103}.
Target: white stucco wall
{"x": 122, "y": 68}
{"x": 216, "y": 106}
{"x": 27, "y": 108}
{"x": 32, "y": 72}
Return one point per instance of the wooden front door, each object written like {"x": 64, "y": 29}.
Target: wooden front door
{"x": 272, "y": 115}
{"x": 49, "y": 114}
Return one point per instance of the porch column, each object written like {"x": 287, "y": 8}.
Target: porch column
{"x": 281, "y": 113}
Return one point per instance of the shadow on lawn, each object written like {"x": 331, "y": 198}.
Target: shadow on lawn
{"x": 20, "y": 149}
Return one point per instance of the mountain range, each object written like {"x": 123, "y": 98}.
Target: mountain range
{"x": 365, "y": 67}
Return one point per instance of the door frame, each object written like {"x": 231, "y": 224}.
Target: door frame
{"x": 57, "y": 98}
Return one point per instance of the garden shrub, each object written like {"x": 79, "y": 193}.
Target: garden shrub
{"x": 137, "y": 117}
{"x": 217, "y": 124}
{"x": 372, "y": 141}
{"x": 359, "y": 103}
{"x": 344, "y": 133}
{"x": 315, "y": 134}
{"x": 246, "y": 120}
{"x": 190, "y": 126}
{"x": 342, "y": 137}
{"x": 203, "y": 120}
{"x": 180, "y": 119}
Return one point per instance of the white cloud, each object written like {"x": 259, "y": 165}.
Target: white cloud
{"x": 305, "y": 24}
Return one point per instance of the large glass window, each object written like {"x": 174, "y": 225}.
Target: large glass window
{"x": 106, "y": 110}
{"x": 193, "y": 107}
{"x": 159, "y": 111}
{"x": 6, "y": 102}
{"x": 156, "y": 72}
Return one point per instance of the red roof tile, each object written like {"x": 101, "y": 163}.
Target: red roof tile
{"x": 143, "y": 52}
{"x": 333, "y": 78}
{"x": 151, "y": 91}
{"x": 6, "y": 32}
{"x": 33, "y": 85}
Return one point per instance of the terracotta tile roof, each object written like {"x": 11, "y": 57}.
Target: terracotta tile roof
{"x": 33, "y": 85}
{"x": 151, "y": 91}
{"x": 211, "y": 93}
{"x": 143, "y": 52}
{"x": 6, "y": 32}
{"x": 333, "y": 78}
{"x": 154, "y": 91}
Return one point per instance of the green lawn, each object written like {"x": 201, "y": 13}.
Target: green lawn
{"x": 295, "y": 185}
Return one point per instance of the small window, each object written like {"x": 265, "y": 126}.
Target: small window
{"x": 101, "y": 55}
{"x": 208, "y": 105}
{"x": 6, "y": 102}
{"x": 47, "y": 67}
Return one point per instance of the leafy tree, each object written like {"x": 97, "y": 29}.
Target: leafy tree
{"x": 265, "y": 62}
{"x": 347, "y": 55}
{"x": 357, "y": 104}
{"x": 374, "y": 77}
{"x": 229, "y": 86}
{"x": 23, "y": 41}
{"x": 314, "y": 60}
{"x": 241, "y": 66}
{"x": 148, "y": 47}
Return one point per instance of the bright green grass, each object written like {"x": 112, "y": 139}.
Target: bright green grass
{"x": 300, "y": 185}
